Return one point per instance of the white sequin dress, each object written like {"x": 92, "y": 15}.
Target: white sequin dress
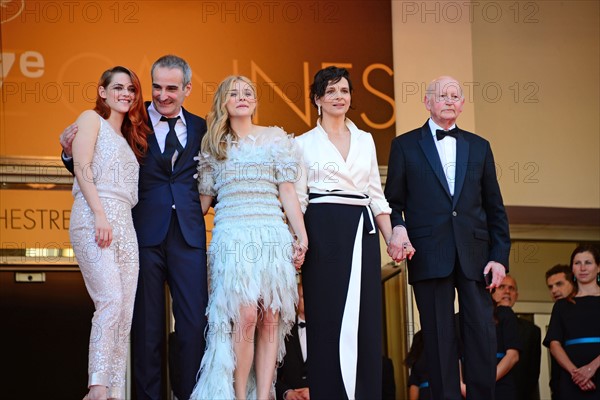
{"x": 249, "y": 257}
{"x": 111, "y": 273}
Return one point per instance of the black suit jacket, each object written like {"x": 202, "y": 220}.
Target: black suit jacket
{"x": 160, "y": 188}
{"x": 527, "y": 370}
{"x": 471, "y": 224}
{"x": 292, "y": 374}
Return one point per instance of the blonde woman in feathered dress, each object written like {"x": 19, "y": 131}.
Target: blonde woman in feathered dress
{"x": 253, "y": 254}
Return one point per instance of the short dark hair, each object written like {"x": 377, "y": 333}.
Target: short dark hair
{"x": 561, "y": 268}
{"x": 325, "y": 77}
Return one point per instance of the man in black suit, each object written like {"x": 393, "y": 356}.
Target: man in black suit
{"x": 171, "y": 235}
{"x": 527, "y": 369}
{"x": 445, "y": 197}
{"x": 292, "y": 383}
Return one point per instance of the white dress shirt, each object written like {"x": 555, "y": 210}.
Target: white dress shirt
{"x": 324, "y": 168}
{"x": 447, "y": 151}
{"x": 302, "y": 338}
{"x": 161, "y": 128}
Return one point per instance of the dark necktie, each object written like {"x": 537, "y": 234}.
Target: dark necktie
{"x": 440, "y": 134}
{"x": 172, "y": 144}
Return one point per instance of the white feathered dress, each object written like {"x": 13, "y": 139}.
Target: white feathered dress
{"x": 249, "y": 257}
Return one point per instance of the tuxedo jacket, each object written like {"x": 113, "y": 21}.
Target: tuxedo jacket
{"x": 161, "y": 187}
{"x": 292, "y": 374}
{"x": 471, "y": 225}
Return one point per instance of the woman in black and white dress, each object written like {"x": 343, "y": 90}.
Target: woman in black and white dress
{"x": 344, "y": 207}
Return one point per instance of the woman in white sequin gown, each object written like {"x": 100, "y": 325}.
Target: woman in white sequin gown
{"x": 106, "y": 150}
{"x": 250, "y": 169}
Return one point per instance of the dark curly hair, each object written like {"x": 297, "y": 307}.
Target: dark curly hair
{"x": 326, "y": 77}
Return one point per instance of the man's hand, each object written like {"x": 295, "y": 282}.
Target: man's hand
{"x": 297, "y": 394}
{"x": 399, "y": 247}
{"x": 498, "y": 274}
{"x": 66, "y": 139}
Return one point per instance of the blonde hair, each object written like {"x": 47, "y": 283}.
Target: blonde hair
{"x": 218, "y": 132}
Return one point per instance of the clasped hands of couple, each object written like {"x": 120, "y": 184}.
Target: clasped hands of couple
{"x": 398, "y": 246}
{"x": 299, "y": 251}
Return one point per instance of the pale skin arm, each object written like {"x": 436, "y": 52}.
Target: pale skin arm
{"x": 83, "y": 153}
{"x": 561, "y": 357}
{"x": 506, "y": 364}
{"x": 385, "y": 226}
{"x": 291, "y": 206}
{"x": 205, "y": 202}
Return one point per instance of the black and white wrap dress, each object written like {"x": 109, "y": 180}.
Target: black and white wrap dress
{"x": 341, "y": 275}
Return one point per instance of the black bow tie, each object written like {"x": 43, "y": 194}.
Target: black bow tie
{"x": 301, "y": 324}
{"x": 440, "y": 134}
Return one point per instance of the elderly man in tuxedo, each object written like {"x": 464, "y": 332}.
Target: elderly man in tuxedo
{"x": 446, "y": 202}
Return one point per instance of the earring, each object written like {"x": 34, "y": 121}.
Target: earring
{"x": 319, "y": 109}
{"x": 574, "y": 279}
{"x": 598, "y": 279}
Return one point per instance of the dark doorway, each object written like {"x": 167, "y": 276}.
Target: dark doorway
{"x": 45, "y": 333}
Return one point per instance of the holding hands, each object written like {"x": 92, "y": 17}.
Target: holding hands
{"x": 398, "y": 246}
{"x": 300, "y": 248}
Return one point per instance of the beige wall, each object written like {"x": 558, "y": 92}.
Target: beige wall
{"x": 531, "y": 74}
{"x": 529, "y": 263}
